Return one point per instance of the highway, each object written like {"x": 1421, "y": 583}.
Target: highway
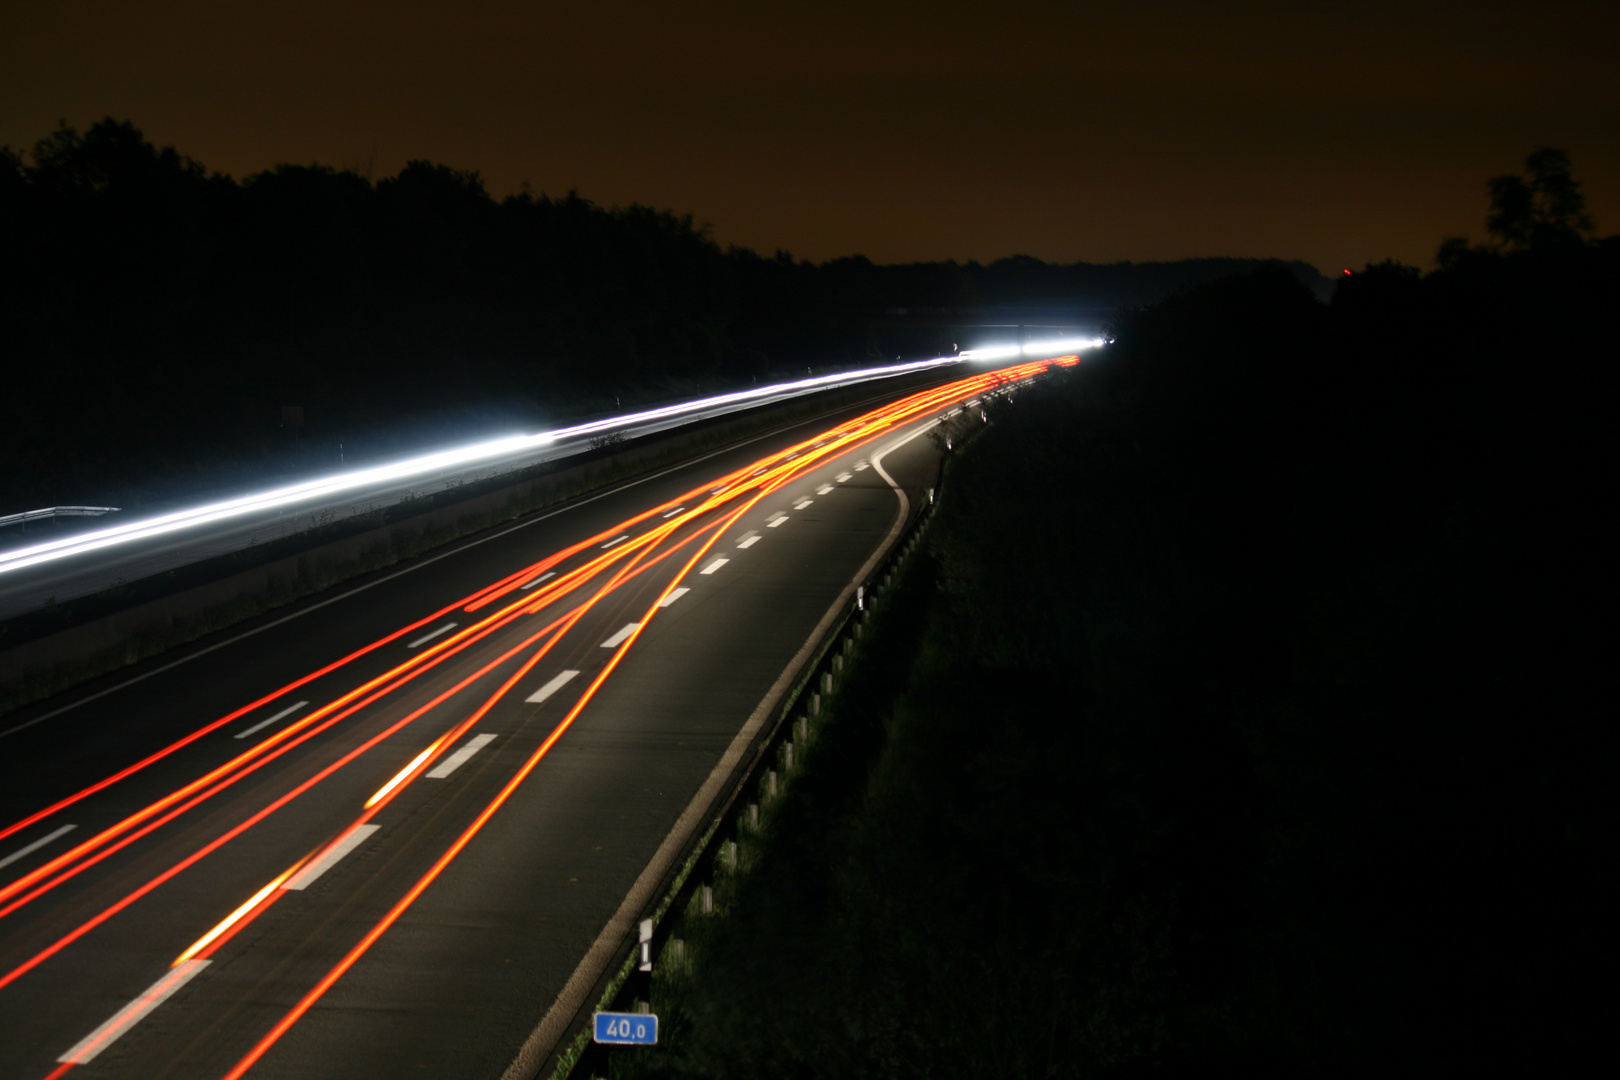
{"x": 377, "y": 834}
{"x": 126, "y": 547}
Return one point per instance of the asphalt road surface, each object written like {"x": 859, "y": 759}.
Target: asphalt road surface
{"x": 423, "y": 797}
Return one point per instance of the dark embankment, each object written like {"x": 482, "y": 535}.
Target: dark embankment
{"x": 1242, "y": 716}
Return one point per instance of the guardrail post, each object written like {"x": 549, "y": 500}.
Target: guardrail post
{"x": 770, "y": 783}
{"x": 753, "y": 816}
{"x": 706, "y": 900}
{"x": 787, "y": 757}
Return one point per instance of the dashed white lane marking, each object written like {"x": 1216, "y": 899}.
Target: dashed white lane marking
{"x": 547, "y": 576}
{"x": 133, "y": 1013}
{"x": 551, "y": 687}
{"x": 36, "y": 845}
{"x": 756, "y": 472}
{"x": 623, "y": 632}
{"x": 749, "y": 541}
{"x": 330, "y": 857}
{"x": 262, "y": 724}
{"x": 460, "y": 757}
{"x": 621, "y": 538}
{"x": 859, "y": 465}
{"x": 775, "y": 521}
{"x": 712, "y": 567}
{"x": 675, "y": 511}
{"x": 425, "y": 638}
{"x": 823, "y": 489}
{"x": 802, "y": 503}
{"x": 674, "y": 595}
{"x": 843, "y": 477}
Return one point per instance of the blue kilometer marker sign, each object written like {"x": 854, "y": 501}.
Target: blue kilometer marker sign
{"x": 634, "y": 1029}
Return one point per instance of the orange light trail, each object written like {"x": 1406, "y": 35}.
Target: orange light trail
{"x": 561, "y": 626}
{"x": 399, "y": 777}
{"x": 231, "y": 919}
{"x": 85, "y": 855}
{"x": 450, "y": 738}
{"x": 331, "y": 977}
{"x": 398, "y": 910}
{"x": 915, "y": 402}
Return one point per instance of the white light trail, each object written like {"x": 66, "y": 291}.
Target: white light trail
{"x": 424, "y": 465}
{"x": 1034, "y": 348}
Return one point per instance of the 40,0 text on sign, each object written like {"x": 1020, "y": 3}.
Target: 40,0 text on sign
{"x": 636, "y": 1029}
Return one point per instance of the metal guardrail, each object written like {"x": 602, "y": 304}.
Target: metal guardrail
{"x": 56, "y": 512}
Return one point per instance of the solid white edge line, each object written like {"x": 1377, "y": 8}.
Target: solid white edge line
{"x": 551, "y": 687}
{"x": 543, "y": 1039}
{"x": 712, "y": 567}
{"x": 262, "y": 724}
{"x": 85, "y": 1050}
{"x": 330, "y": 857}
{"x": 674, "y": 595}
{"x": 36, "y": 845}
{"x": 618, "y": 638}
{"x": 425, "y": 638}
{"x": 460, "y": 757}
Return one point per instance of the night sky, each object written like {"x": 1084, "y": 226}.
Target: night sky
{"x": 1339, "y": 133}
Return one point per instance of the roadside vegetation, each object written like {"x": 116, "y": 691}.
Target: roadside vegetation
{"x": 1239, "y": 717}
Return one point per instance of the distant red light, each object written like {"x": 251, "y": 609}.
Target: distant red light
{"x": 1347, "y": 271}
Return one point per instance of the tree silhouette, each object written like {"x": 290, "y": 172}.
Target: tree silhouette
{"x": 1541, "y": 209}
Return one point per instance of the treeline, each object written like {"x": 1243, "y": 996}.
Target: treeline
{"x": 158, "y": 317}
{"x": 1247, "y": 720}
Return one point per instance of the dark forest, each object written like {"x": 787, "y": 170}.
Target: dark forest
{"x": 159, "y": 316}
